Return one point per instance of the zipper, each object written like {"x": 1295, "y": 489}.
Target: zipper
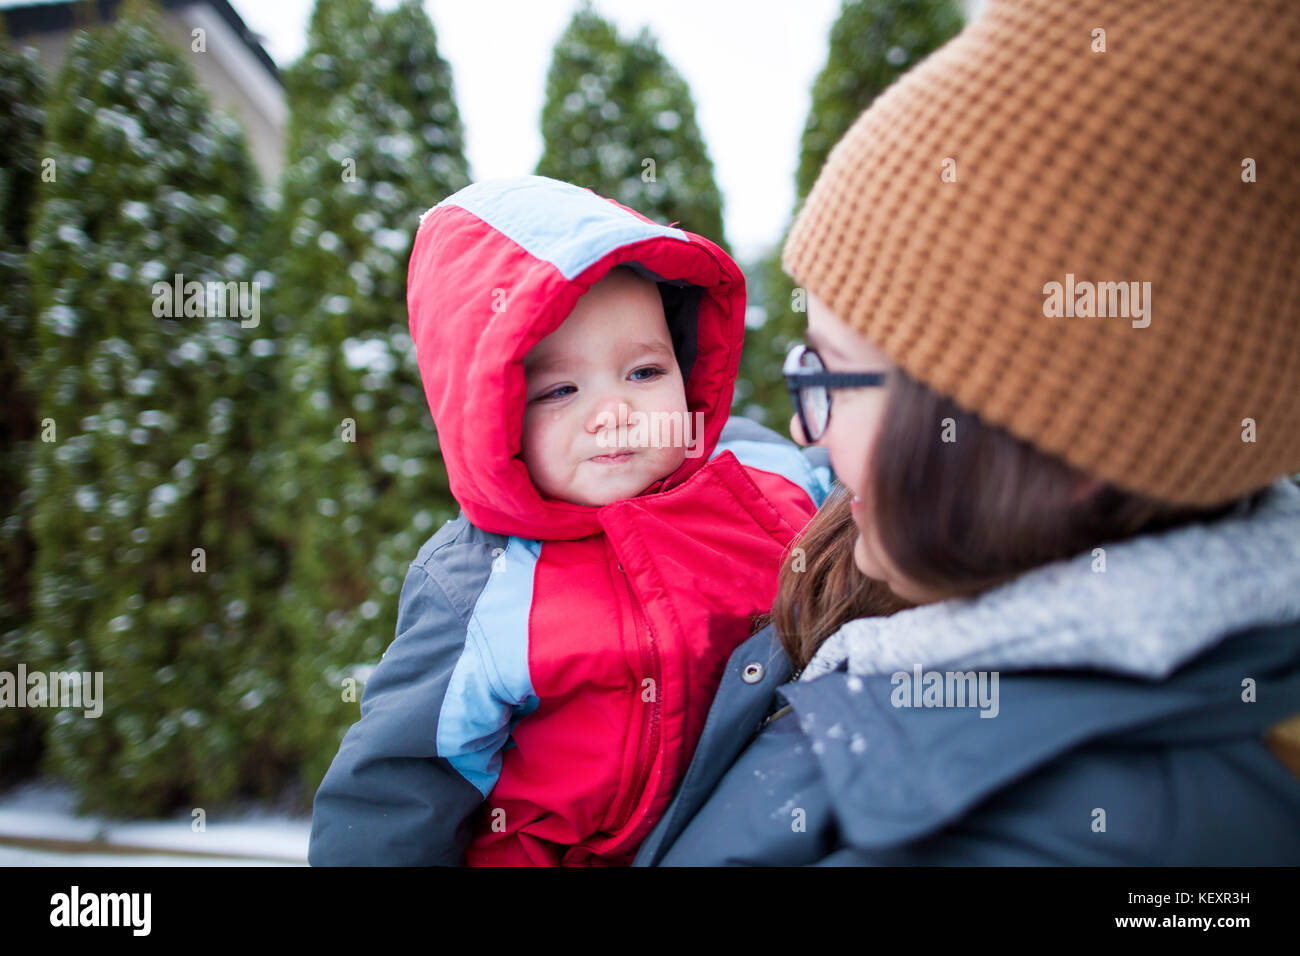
{"x": 645, "y": 756}
{"x": 773, "y": 716}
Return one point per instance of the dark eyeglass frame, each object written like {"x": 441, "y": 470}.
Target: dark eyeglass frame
{"x": 804, "y": 382}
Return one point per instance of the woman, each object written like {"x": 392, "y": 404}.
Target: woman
{"x": 1053, "y": 615}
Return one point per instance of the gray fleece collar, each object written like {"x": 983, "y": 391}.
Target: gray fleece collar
{"x": 1162, "y": 599}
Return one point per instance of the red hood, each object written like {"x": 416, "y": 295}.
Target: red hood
{"x": 496, "y": 268}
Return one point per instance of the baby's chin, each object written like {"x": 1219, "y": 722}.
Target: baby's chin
{"x": 598, "y": 489}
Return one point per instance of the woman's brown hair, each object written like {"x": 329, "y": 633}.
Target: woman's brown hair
{"x": 959, "y": 506}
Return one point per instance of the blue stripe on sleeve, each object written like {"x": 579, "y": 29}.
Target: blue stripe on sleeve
{"x": 490, "y": 688}
{"x": 782, "y": 459}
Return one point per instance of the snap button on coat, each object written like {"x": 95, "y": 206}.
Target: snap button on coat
{"x": 753, "y": 673}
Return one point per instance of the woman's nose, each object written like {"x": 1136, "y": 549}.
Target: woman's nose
{"x": 796, "y": 431}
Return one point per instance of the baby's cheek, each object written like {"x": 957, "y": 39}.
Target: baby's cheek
{"x": 669, "y": 459}
{"x": 533, "y": 442}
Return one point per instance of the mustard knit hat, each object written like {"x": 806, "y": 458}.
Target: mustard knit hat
{"x": 1081, "y": 221}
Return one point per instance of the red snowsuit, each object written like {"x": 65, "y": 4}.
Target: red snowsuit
{"x": 578, "y": 678}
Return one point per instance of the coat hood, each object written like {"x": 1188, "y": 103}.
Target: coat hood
{"x": 498, "y": 266}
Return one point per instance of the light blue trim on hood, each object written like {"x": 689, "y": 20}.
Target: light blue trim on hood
{"x": 560, "y": 223}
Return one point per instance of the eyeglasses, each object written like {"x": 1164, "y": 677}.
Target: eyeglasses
{"x": 810, "y": 387}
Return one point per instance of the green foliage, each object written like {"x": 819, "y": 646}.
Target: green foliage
{"x": 872, "y": 43}
{"x": 22, "y": 121}
{"x": 613, "y": 105}
{"x": 183, "y": 431}
{"x": 360, "y": 484}
{"x": 151, "y": 457}
{"x": 191, "y": 431}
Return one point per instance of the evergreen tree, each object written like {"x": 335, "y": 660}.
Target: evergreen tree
{"x": 22, "y": 121}
{"x": 872, "y": 43}
{"x": 620, "y": 120}
{"x": 375, "y": 141}
{"x": 149, "y": 568}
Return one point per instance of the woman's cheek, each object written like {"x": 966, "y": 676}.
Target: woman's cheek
{"x": 860, "y": 556}
{"x": 852, "y": 431}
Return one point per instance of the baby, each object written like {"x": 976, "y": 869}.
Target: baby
{"x": 559, "y": 642}
{"x": 611, "y": 362}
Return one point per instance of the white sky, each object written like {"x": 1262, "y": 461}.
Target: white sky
{"x": 750, "y": 67}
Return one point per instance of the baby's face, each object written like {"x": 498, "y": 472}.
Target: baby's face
{"x": 613, "y": 350}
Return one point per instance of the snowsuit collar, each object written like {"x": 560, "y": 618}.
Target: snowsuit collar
{"x": 497, "y": 267}
{"x": 1162, "y": 599}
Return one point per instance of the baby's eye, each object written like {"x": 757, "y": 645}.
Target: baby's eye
{"x": 650, "y": 368}
{"x": 552, "y": 393}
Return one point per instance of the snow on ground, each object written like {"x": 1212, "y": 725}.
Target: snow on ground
{"x": 26, "y": 856}
{"x": 34, "y": 814}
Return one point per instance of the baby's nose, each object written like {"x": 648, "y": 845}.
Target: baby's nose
{"x": 605, "y": 412}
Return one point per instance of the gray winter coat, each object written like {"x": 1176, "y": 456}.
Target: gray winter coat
{"x": 1121, "y": 708}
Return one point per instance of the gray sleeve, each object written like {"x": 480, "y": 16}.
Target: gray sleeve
{"x": 819, "y": 462}
{"x": 389, "y": 798}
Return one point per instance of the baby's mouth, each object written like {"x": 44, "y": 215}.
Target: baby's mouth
{"x": 614, "y": 458}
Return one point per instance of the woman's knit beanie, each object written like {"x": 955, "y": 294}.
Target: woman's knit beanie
{"x": 1081, "y": 221}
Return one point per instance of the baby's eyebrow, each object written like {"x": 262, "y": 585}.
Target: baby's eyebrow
{"x": 552, "y": 362}
{"x": 658, "y": 348}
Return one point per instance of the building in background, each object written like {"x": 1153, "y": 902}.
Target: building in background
{"x": 234, "y": 67}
